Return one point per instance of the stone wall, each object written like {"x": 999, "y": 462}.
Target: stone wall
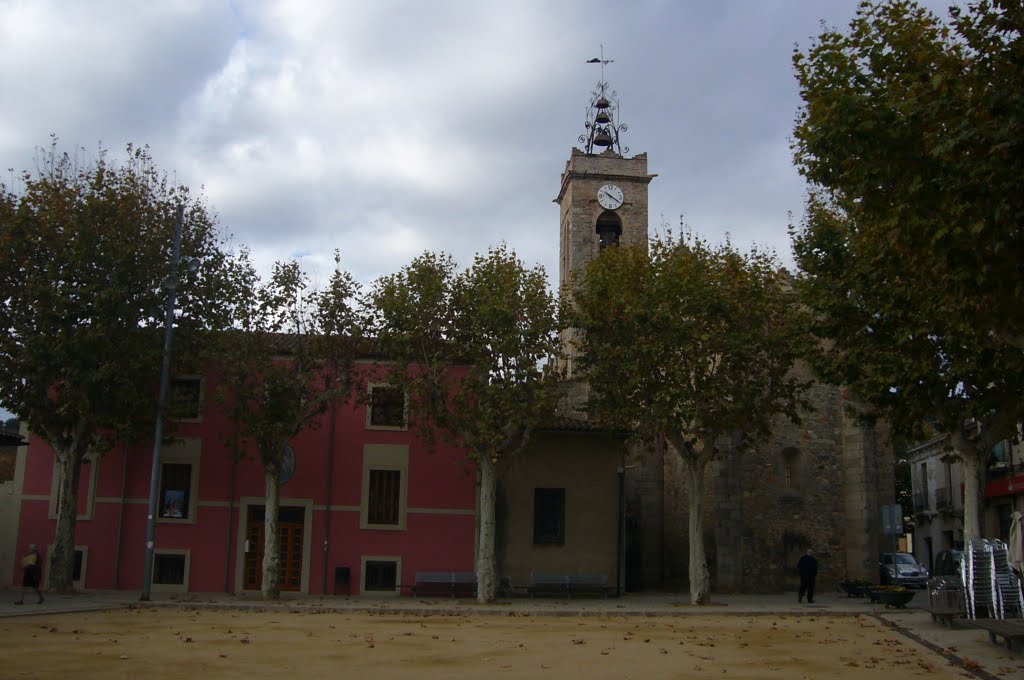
{"x": 815, "y": 485}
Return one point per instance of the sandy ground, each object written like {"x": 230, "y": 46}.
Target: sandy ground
{"x": 209, "y": 644}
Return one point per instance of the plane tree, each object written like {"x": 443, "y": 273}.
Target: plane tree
{"x": 288, "y": 358}
{"x": 468, "y": 348}
{"x": 85, "y": 247}
{"x": 693, "y": 343}
{"x": 910, "y": 250}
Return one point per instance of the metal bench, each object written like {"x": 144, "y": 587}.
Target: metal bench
{"x": 445, "y": 583}
{"x": 1011, "y": 631}
{"x": 588, "y": 584}
{"x": 548, "y": 584}
{"x": 568, "y": 585}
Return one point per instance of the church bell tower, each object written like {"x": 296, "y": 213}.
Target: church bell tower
{"x": 603, "y": 195}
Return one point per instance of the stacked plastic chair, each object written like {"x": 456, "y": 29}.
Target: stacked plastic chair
{"x": 990, "y": 586}
{"x": 978, "y": 572}
{"x": 1010, "y": 601}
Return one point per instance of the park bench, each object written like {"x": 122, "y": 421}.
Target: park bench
{"x": 1012, "y": 631}
{"x": 943, "y": 614}
{"x": 562, "y": 584}
{"x": 445, "y": 583}
{"x": 548, "y": 584}
{"x": 588, "y": 584}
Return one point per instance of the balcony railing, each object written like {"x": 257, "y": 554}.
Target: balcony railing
{"x": 920, "y": 502}
{"x": 943, "y": 499}
{"x": 1000, "y": 470}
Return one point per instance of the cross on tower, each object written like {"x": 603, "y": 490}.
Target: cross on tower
{"x": 602, "y": 61}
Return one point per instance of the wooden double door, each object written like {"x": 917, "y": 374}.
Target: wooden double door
{"x": 290, "y": 539}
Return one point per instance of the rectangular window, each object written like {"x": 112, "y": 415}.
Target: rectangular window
{"x": 80, "y": 563}
{"x": 549, "y": 516}
{"x": 380, "y": 575}
{"x": 382, "y": 503}
{"x": 175, "y": 490}
{"x": 387, "y": 407}
{"x": 185, "y": 398}
{"x": 384, "y": 500}
{"x": 169, "y": 569}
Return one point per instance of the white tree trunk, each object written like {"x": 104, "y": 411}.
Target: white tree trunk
{"x": 62, "y": 560}
{"x": 700, "y": 579}
{"x": 486, "y": 576}
{"x": 972, "y": 494}
{"x": 271, "y": 552}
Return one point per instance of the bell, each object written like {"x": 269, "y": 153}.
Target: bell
{"x": 602, "y": 103}
{"x": 602, "y": 117}
{"x": 602, "y": 138}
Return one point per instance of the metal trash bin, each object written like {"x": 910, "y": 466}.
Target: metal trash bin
{"x": 342, "y": 580}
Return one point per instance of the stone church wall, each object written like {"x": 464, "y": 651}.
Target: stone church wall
{"x": 817, "y": 485}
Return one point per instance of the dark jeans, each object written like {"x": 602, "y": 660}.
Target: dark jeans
{"x": 807, "y": 586}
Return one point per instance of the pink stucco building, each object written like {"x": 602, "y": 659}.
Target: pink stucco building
{"x": 368, "y": 506}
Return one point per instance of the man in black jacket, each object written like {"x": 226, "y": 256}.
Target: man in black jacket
{"x": 808, "y": 568}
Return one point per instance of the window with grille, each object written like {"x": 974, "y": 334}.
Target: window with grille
{"x": 549, "y": 516}
{"x": 384, "y": 500}
{"x": 185, "y": 398}
{"x": 387, "y": 406}
{"x": 169, "y": 569}
{"x": 380, "y": 575}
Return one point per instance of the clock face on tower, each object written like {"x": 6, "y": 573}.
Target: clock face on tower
{"x": 610, "y": 196}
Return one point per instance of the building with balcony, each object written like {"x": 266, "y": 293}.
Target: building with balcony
{"x": 937, "y": 482}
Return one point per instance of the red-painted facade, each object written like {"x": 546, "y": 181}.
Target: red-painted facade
{"x": 436, "y": 533}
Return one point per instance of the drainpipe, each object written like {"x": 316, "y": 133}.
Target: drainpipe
{"x": 330, "y": 489}
{"x": 231, "y": 526}
{"x": 120, "y": 516}
{"x": 621, "y": 553}
{"x": 661, "y": 454}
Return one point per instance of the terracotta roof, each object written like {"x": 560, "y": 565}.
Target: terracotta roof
{"x": 11, "y": 438}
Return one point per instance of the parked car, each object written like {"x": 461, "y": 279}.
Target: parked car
{"x": 948, "y": 570}
{"x": 901, "y": 569}
{"x": 946, "y": 587}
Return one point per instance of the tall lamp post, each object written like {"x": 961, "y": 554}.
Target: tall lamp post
{"x": 171, "y": 284}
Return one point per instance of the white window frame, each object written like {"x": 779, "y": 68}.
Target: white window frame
{"x": 202, "y": 396}
{"x": 181, "y": 451}
{"x": 381, "y": 558}
{"x": 385, "y": 457}
{"x": 369, "y": 410}
{"x": 171, "y": 587}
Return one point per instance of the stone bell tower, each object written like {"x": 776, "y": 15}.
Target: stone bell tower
{"x": 603, "y": 195}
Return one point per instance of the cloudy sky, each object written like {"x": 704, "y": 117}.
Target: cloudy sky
{"x": 386, "y": 128}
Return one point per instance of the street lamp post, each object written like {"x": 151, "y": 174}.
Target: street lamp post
{"x": 171, "y": 283}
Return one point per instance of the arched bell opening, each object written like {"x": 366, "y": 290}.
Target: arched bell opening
{"x": 609, "y": 229}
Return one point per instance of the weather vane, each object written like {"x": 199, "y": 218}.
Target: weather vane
{"x": 602, "y": 113}
{"x": 602, "y": 61}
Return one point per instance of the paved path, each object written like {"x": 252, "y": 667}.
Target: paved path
{"x": 957, "y": 644}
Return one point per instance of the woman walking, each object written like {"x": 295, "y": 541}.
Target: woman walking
{"x": 31, "y": 565}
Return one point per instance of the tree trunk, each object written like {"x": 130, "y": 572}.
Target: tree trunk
{"x": 973, "y": 471}
{"x": 700, "y": 580}
{"x": 62, "y": 559}
{"x": 486, "y": 578}
{"x": 271, "y": 553}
